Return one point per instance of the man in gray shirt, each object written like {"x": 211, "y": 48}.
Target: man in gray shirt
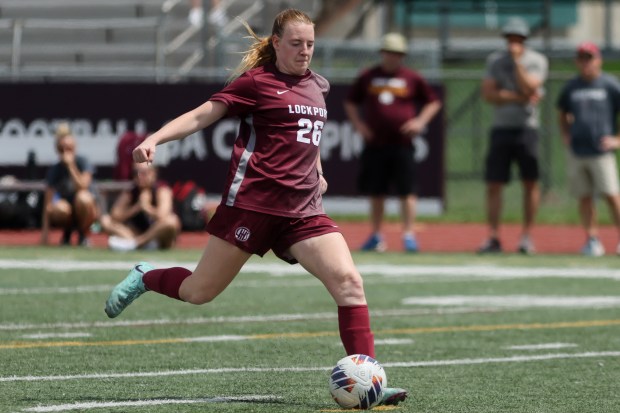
{"x": 589, "y": 105}
{"x": 513, "y": 84}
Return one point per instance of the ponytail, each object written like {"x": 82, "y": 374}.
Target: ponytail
{"x": 260, "y": 53}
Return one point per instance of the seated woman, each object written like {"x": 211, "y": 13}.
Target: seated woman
{"x": 142, "y": 217}
{"x": 70, "y": 201}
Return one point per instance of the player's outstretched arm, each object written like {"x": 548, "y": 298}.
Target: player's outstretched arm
{"x": 186, "y": 124}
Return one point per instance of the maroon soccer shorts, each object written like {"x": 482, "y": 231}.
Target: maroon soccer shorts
{"x": 257, "y": 233}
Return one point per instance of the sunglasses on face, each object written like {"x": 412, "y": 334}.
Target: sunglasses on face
{"x": 585, "y": 57}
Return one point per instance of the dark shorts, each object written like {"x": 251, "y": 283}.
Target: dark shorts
{"x": 385, "y": 168}
{"x": 141, "y": 222}
{"x": 508, "y": 146}
{"x": 257, "y": 233}
{"x": 70, "y": 198}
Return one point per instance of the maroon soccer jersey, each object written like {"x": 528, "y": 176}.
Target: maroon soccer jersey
{"x": 388, "y": 100}
{"x": 273, "y": 165}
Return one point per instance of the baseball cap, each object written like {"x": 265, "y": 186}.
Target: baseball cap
{"x": 588, "y": 48}
{"x": 394, "y": 42}
{"x": 516, "y": 26}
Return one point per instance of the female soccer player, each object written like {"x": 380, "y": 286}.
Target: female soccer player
{"x": 272, "y": 196}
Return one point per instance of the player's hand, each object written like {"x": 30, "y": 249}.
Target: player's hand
{"x": 515, "y": 49}
{"x": 365, "y": 131}
{"x": 412, "y": 128}
{"x": 322, "y": 184}
{"x": 67, "y": 157}
{"x": 610, "y": 143}
{"x": 145, "y": 152}
{"x": 145, "y": 199}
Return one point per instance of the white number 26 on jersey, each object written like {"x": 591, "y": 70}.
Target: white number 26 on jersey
{"x": 307, "y": 127}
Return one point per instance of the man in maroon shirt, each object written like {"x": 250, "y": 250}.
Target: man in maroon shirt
{"x": 272, "y": 196}
{"x": 389, "y": 96}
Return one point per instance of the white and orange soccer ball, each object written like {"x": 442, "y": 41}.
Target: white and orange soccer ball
{"x": 357, "y": 382}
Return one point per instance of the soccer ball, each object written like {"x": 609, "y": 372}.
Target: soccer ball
{"x": 357, "y": 382}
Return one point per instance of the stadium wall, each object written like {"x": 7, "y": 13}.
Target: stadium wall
{"x": 100, "y": 113}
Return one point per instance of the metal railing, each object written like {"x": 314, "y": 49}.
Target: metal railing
{"x": 212, "y": 38}
{"x": 165, "y": 46}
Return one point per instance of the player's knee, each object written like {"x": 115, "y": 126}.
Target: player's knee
{"x": 351, "y": 284}
{"x": 84, "y": 198}
{"x": 197, "y": 296}
{"x": 106, "y": 222}
{"x": 171, "y": 223}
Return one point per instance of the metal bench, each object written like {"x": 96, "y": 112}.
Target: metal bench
{"x": 105, "y": 188}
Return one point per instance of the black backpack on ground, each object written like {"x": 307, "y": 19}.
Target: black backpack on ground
{"x": 190, "y": 202}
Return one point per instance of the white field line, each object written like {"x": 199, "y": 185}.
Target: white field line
{"x": 262, "y": 284}
{"x": 244, "y": 370}
{"x": 386, "y": 270}
{"x": 517, "y": 301}
{"x": 391, "y": 341}
{"x": 238, "y": 319}
{"x": 543, "y": 346}
{"x": 143, "y": 403}
{"x": 57, "y": 290}
{"x": 41, "y": 336}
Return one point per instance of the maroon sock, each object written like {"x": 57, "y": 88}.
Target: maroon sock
{"x": 355, "y": 333}
{"x": 166, "y": 281}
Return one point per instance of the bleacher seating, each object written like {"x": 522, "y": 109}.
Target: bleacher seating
{"x": 103, "y": 38}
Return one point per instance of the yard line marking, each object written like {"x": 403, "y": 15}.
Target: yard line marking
{"x": 262, "y": 283}
{"x": 392, "y": 341}
{"x": 215, "y": 339}
{"x": 544, "y": 346}
{"x": 385, "y": 270}
{"x": 517, "y": 301}
{"x": 142, "y": 403}
{"x": 427, "y": 363}
{"x": 40, "y": 336}
{"x": 164, "y": 373}
{"x": 499, "y": 327}
{"x": 301, "y": 334}
{"x": 512, "y": 359}
{"x": 57, "y": 290}
{"x": 240, "y": 319}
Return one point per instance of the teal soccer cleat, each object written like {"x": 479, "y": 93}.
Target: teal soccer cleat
{"x": 127, "y": 290}
{"x": 391, "y": 396}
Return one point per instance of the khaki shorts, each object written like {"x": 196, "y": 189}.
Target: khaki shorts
{"x": 593, "y": 175}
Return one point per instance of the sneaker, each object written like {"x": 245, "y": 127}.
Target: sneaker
{"x": 526, "y": 246}
{"x": 374, "y": 243}
{"x": 196, "y": 17}
{"x": 391, "y": 396}
{"x": 218, "y": 17}
{"x": 127, "y": 290}
{"x": 117, "y": 243}
{"x": 83, "y": 240}
{"x": 66, "y": 237}
{"x": 152, "y": 245}
{"x": 410, "y": 243}
{"x": 492, "y": 245}
{"x": 593, "y": 248}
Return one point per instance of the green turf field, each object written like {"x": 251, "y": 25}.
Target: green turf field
{"x": 463, "y": 333}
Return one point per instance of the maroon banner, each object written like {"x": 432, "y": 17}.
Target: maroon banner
{"x": 100, "y": 113}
